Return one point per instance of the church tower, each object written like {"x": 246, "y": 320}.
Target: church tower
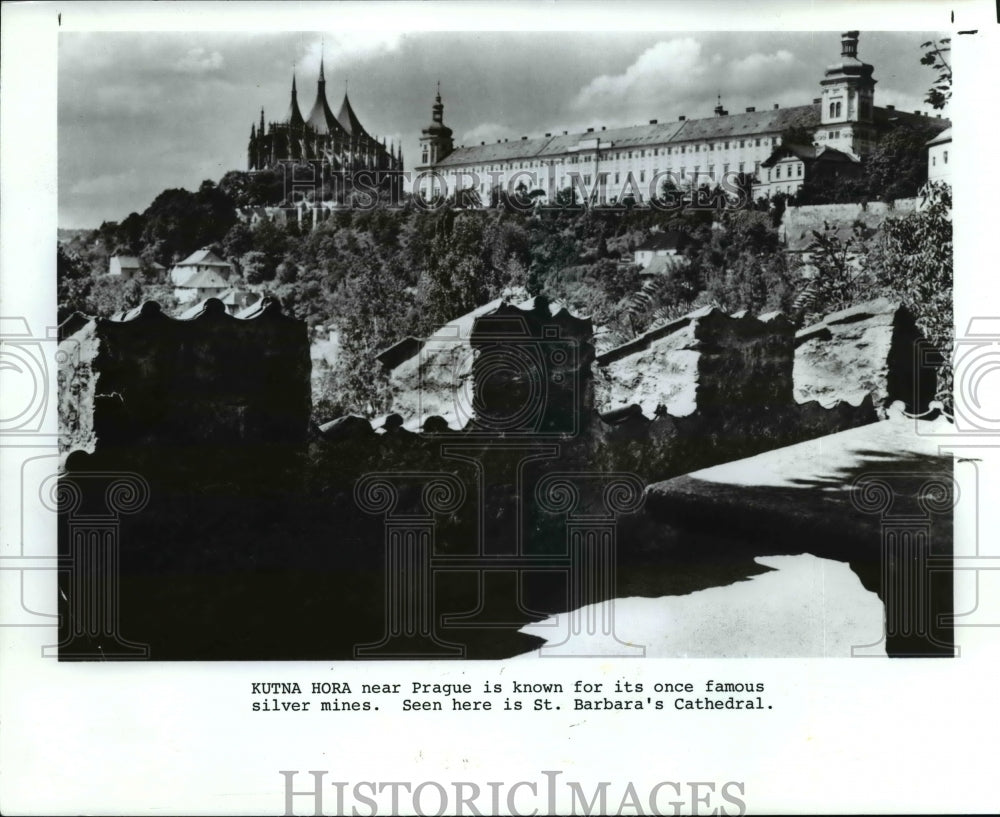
{"x": 435, "y": 139}
{"x": 847, "y": 104}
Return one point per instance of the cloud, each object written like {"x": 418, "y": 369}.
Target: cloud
{"x": 647, "y": 80}
{"x": 344, "y": 50}
{"x": 756, "y": 64}
{"x": 199, "y": 61}
{"x": 761, "y": 74}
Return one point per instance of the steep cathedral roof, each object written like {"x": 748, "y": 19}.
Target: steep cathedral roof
{"x": 349, "y": 121}
{"x": 294, "y": 117}
{"x": 321, "y": 118}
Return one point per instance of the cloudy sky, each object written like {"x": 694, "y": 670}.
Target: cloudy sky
{"x": 141, "y": 112}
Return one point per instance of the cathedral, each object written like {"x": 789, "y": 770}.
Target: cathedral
{"x": 336, "y": 143}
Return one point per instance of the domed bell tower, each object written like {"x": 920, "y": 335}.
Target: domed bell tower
{"x": 435, "y": 139}
{"x": 847, "y": 103}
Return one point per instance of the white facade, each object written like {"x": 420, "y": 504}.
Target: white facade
{"x": 786, "y": 176}
{"x": 939, "y": 158}
{"x": 125, "y": 266}
{"x": 201, "y": 261}
{"x": 604, "y": 166}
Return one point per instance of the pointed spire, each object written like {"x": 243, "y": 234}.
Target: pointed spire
{"x": 294, "y": 117}
{"x": 321, "y": 118}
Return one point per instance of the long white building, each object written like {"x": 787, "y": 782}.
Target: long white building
{"x": 608, "y": 164}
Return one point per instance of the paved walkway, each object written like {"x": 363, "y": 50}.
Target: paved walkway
{"x": 790, "y": 511}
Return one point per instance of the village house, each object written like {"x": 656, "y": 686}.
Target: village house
{"x": 659, "y": 245}
{"x": 785, "y": 170}
{"x": 200, "y": 261}
{"x": 204, "y": 284}
{"x": 128, "y": 266}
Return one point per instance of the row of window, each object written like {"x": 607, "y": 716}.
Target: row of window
{"x": 726, "y": 167}
{"x": 795, "y": 169}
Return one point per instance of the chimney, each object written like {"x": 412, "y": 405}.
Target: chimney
{"x": 681, "y": 118}
{"x": 590, "y": 130}
{"x": 775, "y": 106}
{"x": 524, "y": 138}
{"x": 890, "y": 107}
{"x": 817, "y": 100}
{"x": 565, "y": 132}
{"x": 849, "y": 44}
{"x": 603, "y": 128}
{"x": 939, "y": 116}
{"x": 653, "y": 122}
{"x": 751, "y": 110}
{"x": 548, "y": 134}
{"x": 482, "y": 143}
{"x": 917, "y": 113}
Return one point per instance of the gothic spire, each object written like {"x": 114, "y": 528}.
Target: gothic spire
{"x": 321, "y": 118}
{"x": 294, "y": 117}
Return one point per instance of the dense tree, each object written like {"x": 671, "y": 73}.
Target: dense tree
{"x": 897, "y": 166}
{"x": 373, "y": 302}
{"x": 913, "y": 260}
{"x": 179, "y": 222}
{"x": 73, "y": 283}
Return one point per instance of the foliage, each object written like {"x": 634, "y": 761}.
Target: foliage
{"x": 840, "y": 278}
{"x": 381, "y": 274}
{"x": 914, "y": 261}
{"x": 897, "y": 167}
{"x": 910, "y": 260}
{"x": 83, "y": 290}
{"x": 374, "y": 303}
{"x": 939, "y": 93}
{"x": 262, "y": 188}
